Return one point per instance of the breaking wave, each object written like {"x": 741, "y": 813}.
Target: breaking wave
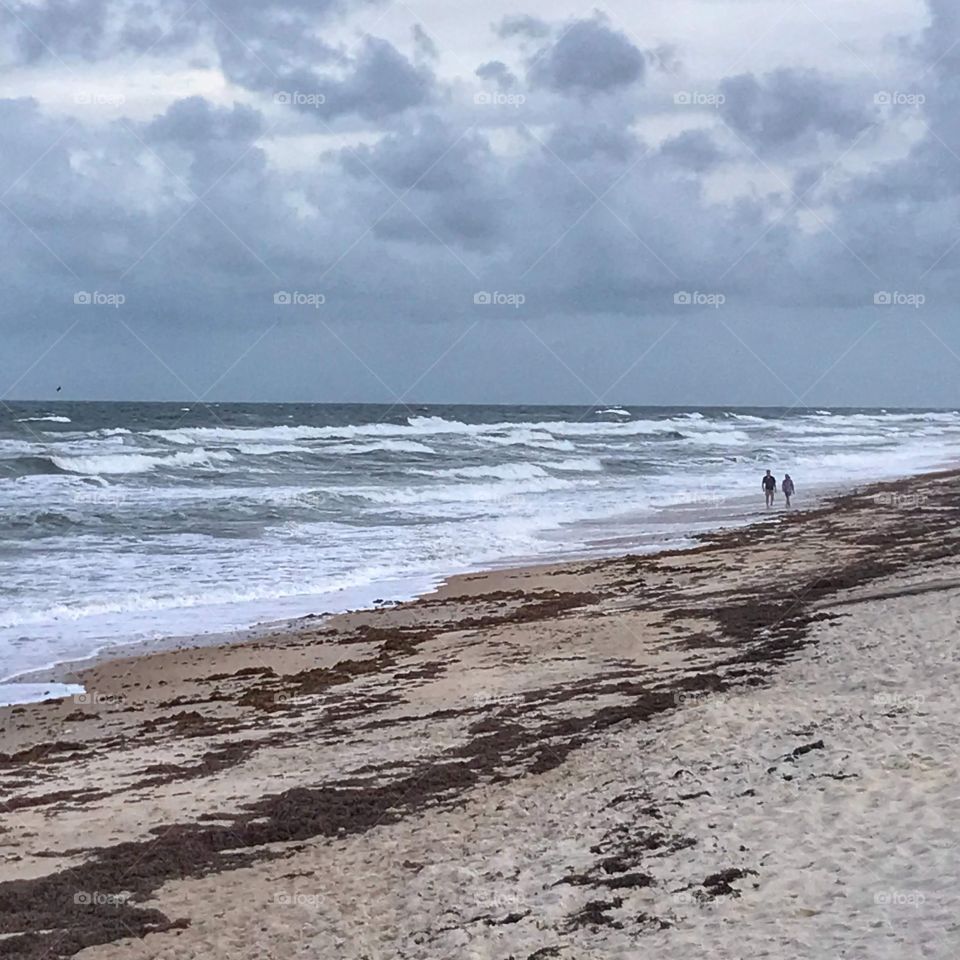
{"x": 123, "y": 463}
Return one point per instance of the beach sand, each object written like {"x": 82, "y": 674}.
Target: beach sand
{"x": 744, "y": 749}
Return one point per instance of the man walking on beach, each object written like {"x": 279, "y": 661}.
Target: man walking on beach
{"x": 787, "y": 487}
{"x": 769, "y": 484}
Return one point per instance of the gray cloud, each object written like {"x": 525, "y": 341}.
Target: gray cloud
{"x": 588, "y": 57}
{"x": 522, "y": 25}
{"x": 497, "y": 71}
{"x": 424, "y": 43}
{"x": 560, "y": 199}
{"x": 374, "y": 82}
{"x": 784, "y": 106}
{"x": 382, "y": 82}
{"x": 215, "y": 140}
{"x": 58, "y": 27}
{"x": 693, "y": 150}
{"x": 576, "y": 142}
{"x": 433, "y": 157}
{"x": 195, "y": 120}
{"x": 99, "y": 29}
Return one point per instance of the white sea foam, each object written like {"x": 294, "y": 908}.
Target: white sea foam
{"x": 504, "y": 431}
{"x": 501, "y": 471}
{"x": 465, "y": 493}
{"x": 528, "y": 438}
{"x": 519, "y": 471}
{"x": 14, "y": 693}
{"x": 138, "y": 602}
{"x": 576, "y": 465}
{"x": 123, "y": 463}
{"x": 267, "y": 449}
{"x": 44, "y": 420}
{"x": 723, "y": 438}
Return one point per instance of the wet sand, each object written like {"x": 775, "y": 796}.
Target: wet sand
{"x": 750, "y": 745}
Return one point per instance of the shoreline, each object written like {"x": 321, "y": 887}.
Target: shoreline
{"x": 581, "y": 759}
{"x": 712, "y": 515}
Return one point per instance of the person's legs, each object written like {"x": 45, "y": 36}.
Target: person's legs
{"x": 787, "y": 496}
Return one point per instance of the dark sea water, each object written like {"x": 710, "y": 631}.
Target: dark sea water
{"x": 124, "y": 521}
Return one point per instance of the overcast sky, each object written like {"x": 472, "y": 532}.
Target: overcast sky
{"x": 680, "y": 201}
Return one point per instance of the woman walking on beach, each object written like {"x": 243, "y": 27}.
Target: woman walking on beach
{"x": 769, "y": 484}
{"x": 787, "y": 488}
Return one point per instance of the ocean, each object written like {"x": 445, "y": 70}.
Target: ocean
{"x": 123, "y": 522}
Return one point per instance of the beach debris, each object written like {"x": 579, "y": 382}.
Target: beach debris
{"x": 718, "y": 884}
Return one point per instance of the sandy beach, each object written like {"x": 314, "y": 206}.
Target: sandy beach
{"x": 744, "y": 749}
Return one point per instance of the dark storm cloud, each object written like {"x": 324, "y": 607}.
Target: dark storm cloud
{"x": 783, "y": 106}
{"x": 588, "y": 57}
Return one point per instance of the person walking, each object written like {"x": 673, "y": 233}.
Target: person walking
{"x": 769, "y": 484}
{"x": 787, "y": 487}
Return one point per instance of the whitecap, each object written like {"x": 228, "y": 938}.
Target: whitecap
{"x": 125, "y": 463}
